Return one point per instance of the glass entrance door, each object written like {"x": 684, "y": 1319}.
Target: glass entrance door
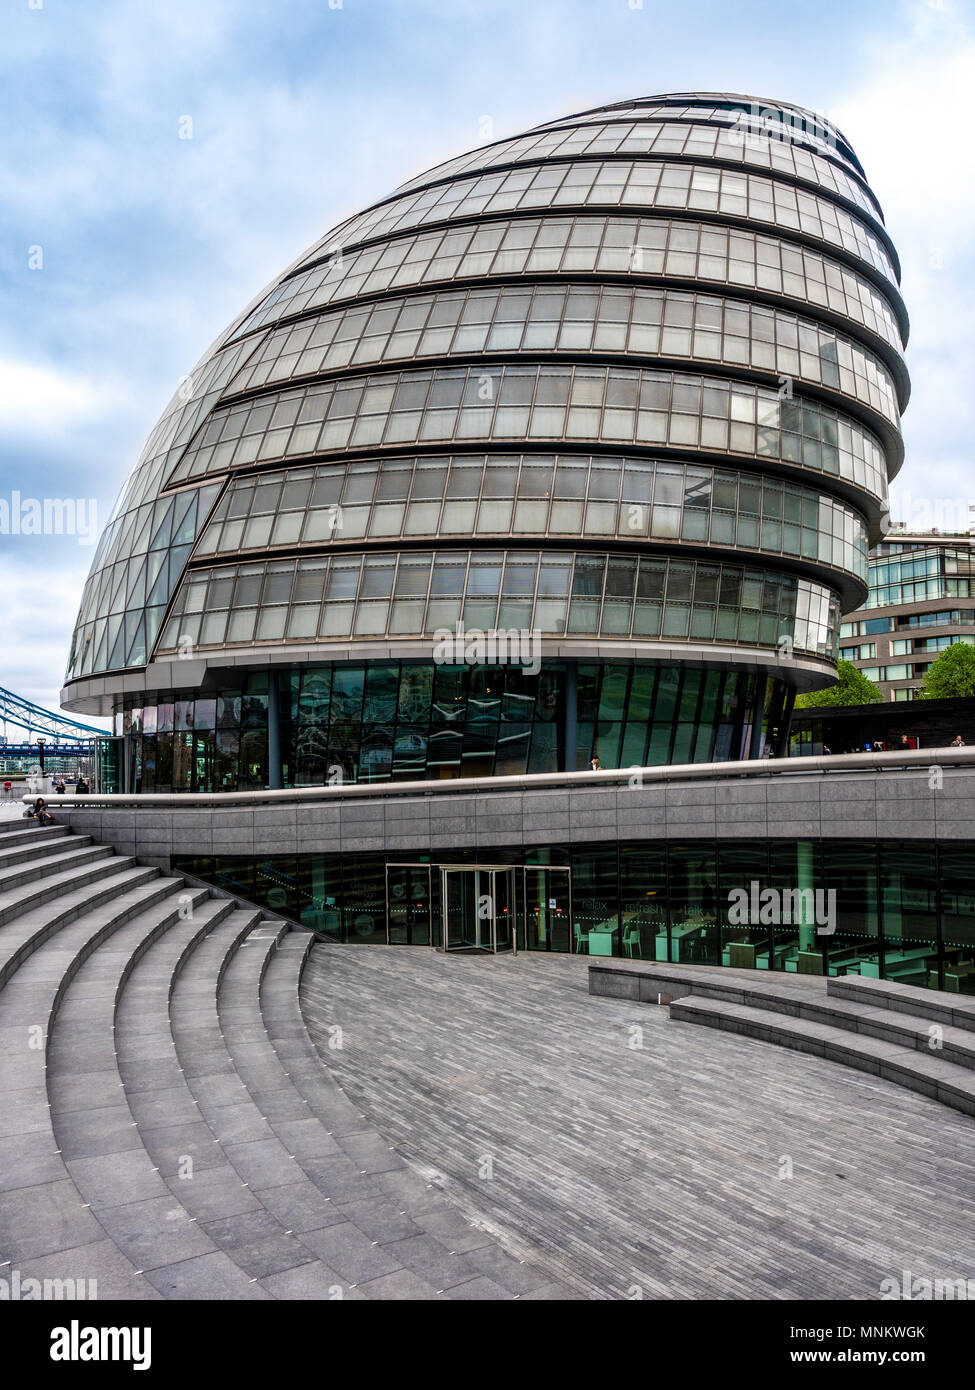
{"x": 408, "y": 915}
{"x": 478, "y": 908}
{"x": 548, "y": 907}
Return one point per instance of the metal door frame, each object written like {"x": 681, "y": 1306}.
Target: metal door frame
{"x": 544, "y": 868}
{"x": 412, "y": 865}
{"x": 492, "y": 869}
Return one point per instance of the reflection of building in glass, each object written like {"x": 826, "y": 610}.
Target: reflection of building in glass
{"x": 629, "y": 383}
{"x": 903, "y": 910}
{"x": 921, "y": 600}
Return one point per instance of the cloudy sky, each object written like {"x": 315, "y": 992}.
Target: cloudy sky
{"x": 126, "y": 249}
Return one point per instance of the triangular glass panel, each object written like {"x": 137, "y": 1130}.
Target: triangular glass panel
{"x": 154, "y": 617}
{"x": 117, "y": 639}
{"x": 143, "y": 526}
{"x": 183, "y": 507}
{"x": 98, "y": 661}
{"x": 136, "y": 654}
{"x": 137, "y": 588}
{"x": 159, "y": 593}
{"x": 117, "y": 601}
{"x": 177, "y": 560}
{"x": 155, "y": 562}
{"x": 163, "y": 522}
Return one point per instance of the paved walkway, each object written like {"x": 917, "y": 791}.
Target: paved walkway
{"x": 655, "y": 1171}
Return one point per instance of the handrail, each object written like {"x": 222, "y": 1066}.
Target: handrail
{"x": 912, "y": 758}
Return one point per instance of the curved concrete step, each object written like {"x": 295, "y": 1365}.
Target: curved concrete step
{"x": 285, "y": 1024}
{"x": 20, "y": 832}
{"x": 25, "y": 847}
{"x": 185, "y": 1260}
{"x": 284, "y": 1080}
{"x": 916, "y": 1018}
{"x": 46, "y": 1224}
{"x": 955, "y": 1045}
{"x": 19, "y": 938}
{"x": 273, "y": 1215}
{"x": 928, "y": 1074}
{"x": 841, "y": 1008}
{"x": 952, "y": 1011}
{"x": 71, "y": 853}
{"x": 16, "y": 901}
{"x": 108, "y": 1152}
{"x": 36, "y": 856}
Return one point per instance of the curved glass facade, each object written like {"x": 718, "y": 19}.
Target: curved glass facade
{"x": 625, "y": 184}
{"x": 617, "y": 406}
{"x": 574, "y": 319}
{"x": 400, "y": 721}
{"x": 627, "y": 387}
{"x": 533, "y": 495}
{"x": 692, "y": 139}
{"x": 632, "y": 247}
{"x": 546, "y": 594}
{"x": 777, "y": 122}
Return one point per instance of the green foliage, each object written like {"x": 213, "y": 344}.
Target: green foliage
{"x": 852, "y": 688}
{"x": 952, "y": 676}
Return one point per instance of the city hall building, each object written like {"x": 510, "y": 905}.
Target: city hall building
{"x": 572, "y": 447}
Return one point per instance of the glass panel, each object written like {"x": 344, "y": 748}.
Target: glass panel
{"x": 909, "y": 908}
{"x": 547, "y": 908}
{"x": 408, "y": 904}
{"x": 643, "y": 902}
{"x": 957, "y": 875}
{"x": 693, "y": 905}
{"x": 746, "y": 917}
{"x": 595, "y": 903}
{"x": 794, "y": 871}
{"x": 846, "y": 919}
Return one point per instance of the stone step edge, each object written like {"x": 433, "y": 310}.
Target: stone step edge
{"x": 939, "y": 1080}
{"x": 147, "y": 942}
{"x": 871, "y": 1020}
{"x": 84, "y": 953}
{"x": 58, "y": 885}
{"x": 52, "y": 835}
{"x": 222, "y": 907}
{"x": 108, "y": 886}
{"x": 620, "y": 979}
{"x": 40, "y": 868}
{"x": 957, "y": 1011}
{"x": 168, "y": 887}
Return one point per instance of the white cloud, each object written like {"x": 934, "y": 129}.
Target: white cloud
{"x": 41, "y": 584}
{"x": 38, "y": 399}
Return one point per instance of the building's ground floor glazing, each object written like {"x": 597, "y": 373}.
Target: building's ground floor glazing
{"x": 400, "y": 721}
{"x": 892, "y": 910}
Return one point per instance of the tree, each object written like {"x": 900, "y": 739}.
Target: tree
{"x": 952, "y": 676}
{"x": 852, "y": 688}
